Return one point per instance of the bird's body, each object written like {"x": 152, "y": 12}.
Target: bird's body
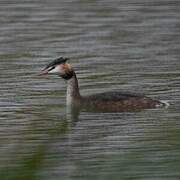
{"x": 106, "y": 102}
{"x": 122, "y": 102}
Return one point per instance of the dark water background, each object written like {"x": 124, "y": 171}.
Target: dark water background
{"x": 127, "y": 44}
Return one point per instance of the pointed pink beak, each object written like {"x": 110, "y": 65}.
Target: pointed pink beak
{"x": 43, "y": 72}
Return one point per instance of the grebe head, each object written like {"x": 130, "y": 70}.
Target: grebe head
{"x": 60, "y": 67}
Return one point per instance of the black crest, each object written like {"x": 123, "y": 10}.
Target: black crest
{"x": 57, "y": 61}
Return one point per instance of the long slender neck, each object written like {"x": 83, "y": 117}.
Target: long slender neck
{"x": 73, "y": 94}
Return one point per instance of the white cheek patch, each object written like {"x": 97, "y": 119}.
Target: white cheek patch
{"x": 55, "y": 70}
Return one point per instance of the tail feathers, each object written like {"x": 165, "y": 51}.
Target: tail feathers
{"x": 163, "y": 103}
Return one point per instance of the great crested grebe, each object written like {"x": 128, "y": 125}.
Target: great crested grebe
{"x": 106, "y": 102}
